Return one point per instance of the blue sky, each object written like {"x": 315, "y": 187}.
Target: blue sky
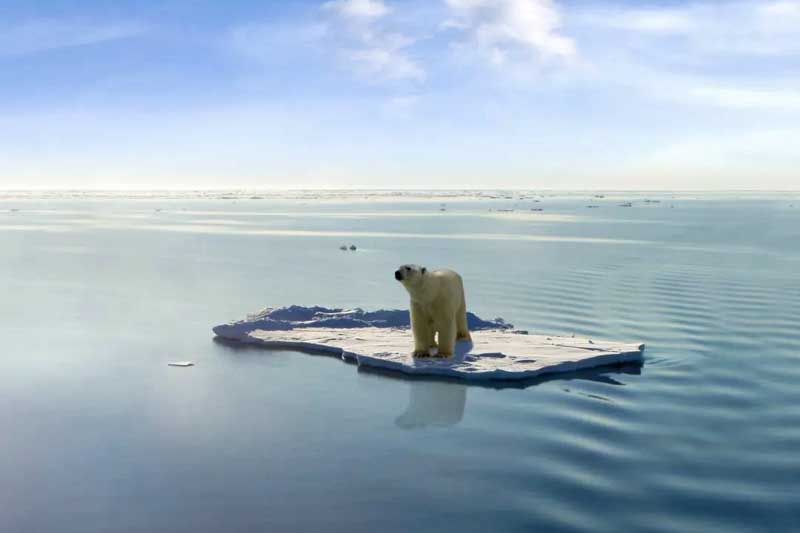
{"x": 400, "y": 94}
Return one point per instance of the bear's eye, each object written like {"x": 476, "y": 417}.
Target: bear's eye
{"x": 406, "y": 269}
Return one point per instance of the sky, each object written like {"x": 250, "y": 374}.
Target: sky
{"x": 400, "y": 94}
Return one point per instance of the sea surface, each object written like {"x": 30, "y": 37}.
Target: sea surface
{"x": 99, "y": 291}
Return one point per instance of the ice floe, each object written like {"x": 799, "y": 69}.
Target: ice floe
{"x": 382, "y": 340}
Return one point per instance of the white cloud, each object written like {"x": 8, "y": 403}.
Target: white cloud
{"x": 736, "y": 55}
{"x": 746, "y": 98}
{"x": 778, "y": 96}
{"x": 782, "y": 9}
{"x": 358, "y": 8}
{"x": 500, "y": 29}
{"x": 385, "y": 62}
{"x": 645, "y": 20}
{"x": 50, "y": 34}
{"x": 403, "y": 102}
{"x": 753, "y": 27}
{"x": 367, "y": 43}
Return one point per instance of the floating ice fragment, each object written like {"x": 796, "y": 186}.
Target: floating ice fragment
{"x": 382, "y": 339}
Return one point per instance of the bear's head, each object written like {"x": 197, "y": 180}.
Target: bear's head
{"x": 410, "y": 275}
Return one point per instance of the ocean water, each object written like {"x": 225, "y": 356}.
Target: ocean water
{"x": 98, "y": 292}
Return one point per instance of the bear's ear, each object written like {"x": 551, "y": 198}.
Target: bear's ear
{"x": 424, "y": 270}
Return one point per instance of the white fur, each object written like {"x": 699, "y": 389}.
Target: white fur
{"x": 438, "y": 307}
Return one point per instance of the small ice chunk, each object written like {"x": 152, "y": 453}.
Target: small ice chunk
{"x": 180, "y": 363}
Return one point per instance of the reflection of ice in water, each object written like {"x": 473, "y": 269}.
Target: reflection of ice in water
{"x": 434, "y": 404}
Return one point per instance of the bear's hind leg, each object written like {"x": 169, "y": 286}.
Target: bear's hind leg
{"x": 462, "y": 330}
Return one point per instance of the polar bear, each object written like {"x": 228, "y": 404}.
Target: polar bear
{"x": 437, "y": 306}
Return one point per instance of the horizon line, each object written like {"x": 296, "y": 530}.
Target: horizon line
{"x": 375, "y": 189}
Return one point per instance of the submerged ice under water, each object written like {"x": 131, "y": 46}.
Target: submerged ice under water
{"x": 100, "y": 293}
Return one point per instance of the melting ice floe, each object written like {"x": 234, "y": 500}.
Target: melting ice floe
{"x": 382, "y": 339}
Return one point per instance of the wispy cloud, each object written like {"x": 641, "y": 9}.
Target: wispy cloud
{"x": 358, "y": 8}
{"x": 51, "y": 34}
{"x": 367, "y": 43}
{"x": 639, "y": 20}
{"x": 270, "y": 42}
{"x": 747, "y": 98}
{"x": 503, "y": 29}
{"x": 754, "y": 27}
{"x": 732, "y": 55}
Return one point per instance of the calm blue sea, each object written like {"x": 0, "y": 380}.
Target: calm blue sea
{"x": 97, "y": 294}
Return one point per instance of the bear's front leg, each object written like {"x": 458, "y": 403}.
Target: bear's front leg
{"x": 447, "y": 338}
{"x": 422, "y": 331}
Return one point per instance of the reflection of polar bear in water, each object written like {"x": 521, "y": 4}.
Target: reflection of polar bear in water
{"x": 437, "y": 306}
{"x": 433, "y": 404}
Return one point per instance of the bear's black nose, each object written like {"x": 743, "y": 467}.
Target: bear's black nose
{"x": 397, "y": 275}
